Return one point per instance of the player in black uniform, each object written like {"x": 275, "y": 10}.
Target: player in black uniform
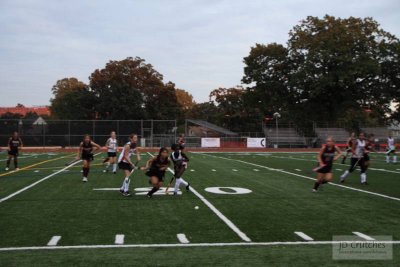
{"x": 85, "y": 152}
{"x": 156, "y": 168}
{"x": 180, "y": 161}
{"x": 349, "y": 147}
{"x": 14, "y": 143}
{"x": 326, "y": 157}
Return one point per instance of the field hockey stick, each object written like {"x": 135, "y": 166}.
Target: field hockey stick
{"x": 169, "y": 185}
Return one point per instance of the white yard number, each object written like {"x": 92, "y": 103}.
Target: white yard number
{"x": 228, "y": 190}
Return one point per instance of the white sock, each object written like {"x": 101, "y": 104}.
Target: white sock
{"x": 184, "y": 182}
{"x": 363, "y": 177}
{"x": 394, "y": 159}
{"x": 344, "y": 175}
{"x": 387, "y": 159}
{"x": 125, "y": 184}
{"x": 177, "y": 183}
{"x": 114, "y": 167}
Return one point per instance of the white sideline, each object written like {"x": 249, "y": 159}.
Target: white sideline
{"x": 304, "y": 236}
{"x": 228, "y": 222}
{"x": 119, "y": 239}
{"x": 309, "y": 178}
{"x": 178, "y": 245}
{"x": 54, "y": 240}
{"x": 364, "y": 236}
{"x": 39, "y": 181}
{"x": 182, "y": 238}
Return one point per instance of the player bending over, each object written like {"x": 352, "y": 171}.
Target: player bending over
{"x": 349, "y": 144}
{"x": 180, "y": 161}
{"x": 326, "y": 157}
{"x": 156, "y": 168}
{"x": 357, "y": 159}
{"x": 391, "y": 150}
{"x": 14, "y": 143}
{"x": 112, "y": 148}
{"x": 125, "y": 163}
{"x": 85, "y": 152}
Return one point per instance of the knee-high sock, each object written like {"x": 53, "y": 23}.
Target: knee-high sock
{"x": 153, "y": 190}
{"x": 15, "y": 162}
{"x": 387, "y": 159}
{"x": 344, "y": 175}
{"x": 394, "y": 159}
{"x": 178, "y": 182}
{"x": 125, "y": 184}
{"x": 114, "y": 167}
{"x": 317, "y": 184}
{"x": 85, "y": 172}
{"x": 363, "y": 177}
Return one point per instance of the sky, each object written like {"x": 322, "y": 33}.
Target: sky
{"x": 197, "y": 44}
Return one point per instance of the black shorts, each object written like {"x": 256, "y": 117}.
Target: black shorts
{"x": 88, "y": 157}
{"x": 357, "y": 162}
{"x": 179, "y": 169}
{"x": 13, "y": 152}
{"x": 159, "y": 174}
{"x": 111, "y": 154}
{"x": 325, "y": 169}
{"x": 125, "y": 166}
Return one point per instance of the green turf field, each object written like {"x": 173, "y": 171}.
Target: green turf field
{"x": 46, "y": 199}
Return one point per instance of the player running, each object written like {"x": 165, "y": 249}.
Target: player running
{"x": 391, "y": 150}
{"x": 112, "y": 148}
{"x": 349, "y": 144}
{"x": 358, "y": 159}
{"x": 14, "y": 144}
{"x": 85, "y": 152}
{"x": 369, "y": 147}
{"x": 125, "y": 163}
{"x": 180, "y": 161}
{"x": 156, "y": 168}
{"x": 326, "y": 157}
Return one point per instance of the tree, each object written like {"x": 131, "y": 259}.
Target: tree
{"x": 132, "y": 89}
{"x": 185, "y": 100}
{"x": 329, "y": 67}
{"x": 72, "y": 100}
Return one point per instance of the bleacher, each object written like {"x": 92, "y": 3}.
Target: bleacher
{"x": 380, "y": 133}
{"x": 286, "y": 137}
{"x": 339, "y": 134}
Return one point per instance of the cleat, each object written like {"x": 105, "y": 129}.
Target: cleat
{"x": 341, "y": 181}
{"x": 6, "y": 169}
{"x": 121, "y": 191}
{"x": 149, "y": 196}
{"x": 126, "y": 194}
{"x": 365, "y": 183}
{"x": 175, "y": 193}
{"x": 84, "y": 179}
{"x": 314, "y": 190}
{"x": 188, "y": 187}
{"x": 114, "y": 172}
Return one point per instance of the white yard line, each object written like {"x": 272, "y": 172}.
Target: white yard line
{"x": 24, "y": 157}
{"x": 179, "y": 245}
{"x": 182, "y": 238}
{"x": 119, "y": 239}
{"x": 364, "y": 236}
{"x": 297, "y": 170}
{"x": 228, "y": 222}
{"x": 54, "y": 240}
{"x": 309, "y": 178}
{"x": 304, "y": 236}
{"x": 39, "y": 181}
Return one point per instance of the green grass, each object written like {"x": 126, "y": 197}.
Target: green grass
{"x": 280, "y": 204}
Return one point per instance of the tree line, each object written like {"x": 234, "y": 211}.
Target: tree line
{"x": 330, "y": 70}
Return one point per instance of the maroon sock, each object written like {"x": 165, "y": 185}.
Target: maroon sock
{"x": 85, "y": 172}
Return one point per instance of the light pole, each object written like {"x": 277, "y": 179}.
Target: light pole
{"x": 276, "y": 117}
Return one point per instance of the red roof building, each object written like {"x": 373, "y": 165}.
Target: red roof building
{"x": 21, "y": 109}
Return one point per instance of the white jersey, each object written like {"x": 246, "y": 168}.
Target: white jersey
{"x": 132, "y": 151}
{"x": 112, "y": 144}
{"x": 390, "y": 143}
{"x": 360, "y": 148}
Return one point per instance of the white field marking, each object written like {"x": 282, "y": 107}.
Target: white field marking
{"x": 213, "y": 170}
{"x": 22, "y": 157}
{"x": 234, "y": 170}
{"x": 228, "y": 222}
{"x": 192, "y": 170}
{"x": 119, "y": 239}
{"x": 310, "y": 178}
{"x": 39, "y": 181}
{"x": 256, "y": 170}
{"x": 304, "y": 236}
{"x": 36, "y": 171}
{"x": 141, "y": 190}
{"x": 106, "y": 189}
{"x": 182, "y": 238}
{"x": 339, "y": 170}
{"x": 179, "y": 245}
{"x": 363, "y": 236}
{"x": 54, "y": 240}
{"x": 297, "y": 170}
